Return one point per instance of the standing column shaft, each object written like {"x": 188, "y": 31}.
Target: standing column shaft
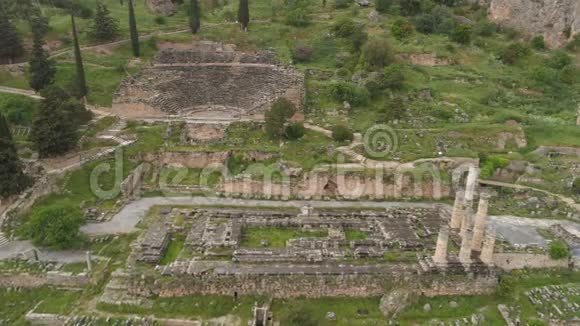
{"x": 458, "y": 210}
{"x": 488, "y": 248}
{"x": 480, "y": 222}
{"x": 465, "y": 251}
{"x": 89, "y": 262}
{"x": 441, "y": 249}
{"x": 471, "y": 183}
{"x": 466, "y": 221}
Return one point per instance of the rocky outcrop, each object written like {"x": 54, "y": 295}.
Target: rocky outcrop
{"x": 557, "y": 20}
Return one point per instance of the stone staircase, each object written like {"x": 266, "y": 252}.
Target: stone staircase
{"x": 3, "y": 240}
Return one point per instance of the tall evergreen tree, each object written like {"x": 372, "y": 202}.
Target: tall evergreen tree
{"x": 42, "y": 69}
{"x": 133, "y": 30}
{"x": 54, "y": 131}
{"x": 81, "y": 83}
{"x": 104, "y": 28}
{"x": 244, "y": 14}
{"x": 13, "y": 178}
{"x": 194, "y": 16}
{"x": 10, "y": 43}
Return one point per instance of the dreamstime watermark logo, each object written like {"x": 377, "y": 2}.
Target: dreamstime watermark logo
{"x": 380, "y": 140}
{"x": 182, "y": 173}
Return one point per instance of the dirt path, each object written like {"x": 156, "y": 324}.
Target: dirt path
{"x": 19, "y": 91}
{"x": 569, "y": 201}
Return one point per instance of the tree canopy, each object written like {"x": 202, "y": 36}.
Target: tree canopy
{"x": 13, "y": 178}
{"x": 55, "y": 226}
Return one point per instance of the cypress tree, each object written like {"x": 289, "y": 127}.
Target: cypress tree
{"x": 42, "y": 69}
{"x": 104, "y": 28}
{"x": 244, "y": 15}
{"x": 81, "y": 83}
{"x": 54, "y": 131}
{"x": 10, "y": 43}
{"x": 13, "y": 178}
{"x": 133, "y": 29}
{"x": 194, "y": 16}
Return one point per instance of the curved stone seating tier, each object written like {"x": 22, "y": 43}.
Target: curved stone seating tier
{"x": 235, "y": 91}
{"x": 171, "y": 56}
{"x": 204, "y": 84}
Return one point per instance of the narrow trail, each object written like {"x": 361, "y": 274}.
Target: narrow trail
{"x": 569, "y": 201}
{"x": 20, "y": 91}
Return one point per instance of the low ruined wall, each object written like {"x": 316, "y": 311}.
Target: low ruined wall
{"x": 510, "y": 262}
{"x": 188, "y": 159}
{"x": 53, "y": 278}
{"x": 316, "y": 286}
{"x": 45, "y": 319}
{"x": 321, "y": 186}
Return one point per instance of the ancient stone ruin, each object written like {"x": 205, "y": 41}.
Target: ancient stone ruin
{"x": 210, "y": 81}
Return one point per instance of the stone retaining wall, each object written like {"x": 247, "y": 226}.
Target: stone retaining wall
{"x": 53, "y": 278}
{"x": 316, "y": 286}
{"x": 510, "y": 262}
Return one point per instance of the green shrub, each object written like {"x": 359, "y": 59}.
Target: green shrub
{"x": 410, "y": 7}
{"x": 439, "y": 21}
{"x": 160, "y": 20}
{"x": 393, "y": 78}
{"x": 559, "y": 60}
{"x": 349, "y": 92}
{"x": 294, "y": 130}
{"x": 401, "y": 29}
{"x": 18, "y": 110}
{"x": 276, "y": 117}
{"x": 514, "y": 52}
{"x": 484, "y": 28}
{"x": 507, "y": 286}
{"x": 56, "y": 227}
{"x": 341, "y": 4}
{"x": 461, "y": 34}
{"x": 344, "y": 27}
{"x": 576, "y": 185}
{"x": 574, "y": 45}
{"x": 490, "y": 163}
{"x": 569, "y": 75}
{"x": 559, "y": 250}
{"x": 342, "y": 133}
{"x": 297, "y": 12}
{"x": 377, "y": 53}
{"x": 383, "y": 6}
{"x": 394, "y": 109}
{"x": 538, "y": 43}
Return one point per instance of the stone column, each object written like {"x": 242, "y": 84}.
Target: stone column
{"x": 89, "y": 263}
{"x": 480, "y": 222}
{"x": 488, "y": 248}
{"x": 471, "y": 183}
{"x": 465, "y": 250}
{"x": 466, "y": 221}
{"x": 458, "y": 210}
{"x": 440, "y": 256}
